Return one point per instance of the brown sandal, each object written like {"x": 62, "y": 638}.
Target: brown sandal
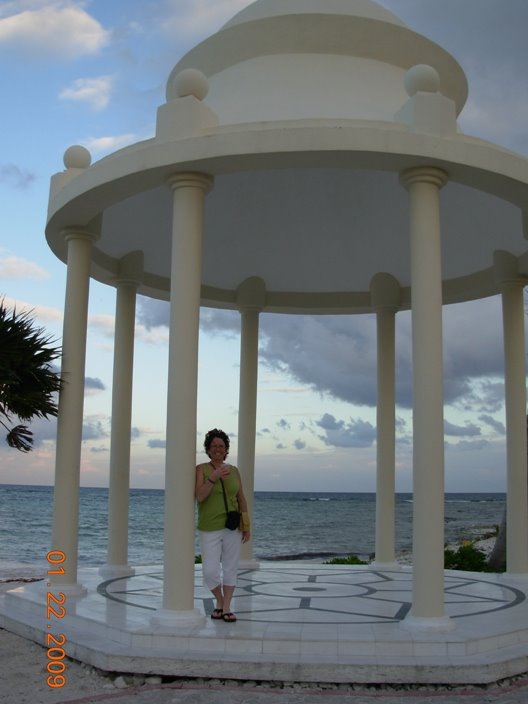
{"x": 229, "y": 617}
{"x": 217, "y": 614}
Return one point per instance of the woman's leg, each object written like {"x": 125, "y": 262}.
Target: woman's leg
{"x": 217, "y": 591}
{"x": 228, "y": 595}
{"x": 211, "y": 545}
{"x": 230, "y": 559}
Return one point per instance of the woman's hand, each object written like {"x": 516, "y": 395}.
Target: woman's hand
{"x": 220, "y": 472}
{"x": 246, "y": 535}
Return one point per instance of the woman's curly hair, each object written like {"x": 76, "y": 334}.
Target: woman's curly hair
{"x": 211, "y": 435}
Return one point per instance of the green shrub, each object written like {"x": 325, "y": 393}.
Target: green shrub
{"x": 350, "y": 560}
{"x": 468, "y": 558}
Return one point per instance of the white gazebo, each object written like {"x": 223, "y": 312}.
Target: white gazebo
{"x": 307, "y": 160}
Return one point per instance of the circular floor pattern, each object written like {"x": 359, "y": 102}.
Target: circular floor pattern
{"x": 339, "y": 597}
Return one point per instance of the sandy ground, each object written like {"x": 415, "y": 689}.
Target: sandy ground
{"x": 23, "y": 679}
{"x": 23, "y": 673}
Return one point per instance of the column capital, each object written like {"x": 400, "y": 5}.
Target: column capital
{"x": 506, "y": 271}
{"x": 130, "y": 269}
{"x": 385, "y": 293}
{"x": 190, "y": 180}
{"x": 79, "y": 233}
{"x": 424, "y": 174}
{"x": 251, "y": 294}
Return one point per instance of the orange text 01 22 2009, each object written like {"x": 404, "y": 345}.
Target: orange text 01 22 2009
{"x": 55, "y": 609}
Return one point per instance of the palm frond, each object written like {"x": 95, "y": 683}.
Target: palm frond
{"x": 21, "y": 438}
{"x": 28, "y": 380}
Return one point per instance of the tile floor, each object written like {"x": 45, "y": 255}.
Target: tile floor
{"x": 302, "y": 622}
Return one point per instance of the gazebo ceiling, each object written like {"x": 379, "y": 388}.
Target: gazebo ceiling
{"x": 306, "y": 189}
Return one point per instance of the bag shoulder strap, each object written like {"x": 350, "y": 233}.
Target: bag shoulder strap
{"x": 224, "y": 493}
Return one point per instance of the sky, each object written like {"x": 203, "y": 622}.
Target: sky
{"x": 93, "y": 72}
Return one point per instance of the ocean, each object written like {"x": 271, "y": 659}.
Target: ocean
{"x": 286, "y": 525}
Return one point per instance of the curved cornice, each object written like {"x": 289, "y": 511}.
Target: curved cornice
{"x": 348, "y": 145}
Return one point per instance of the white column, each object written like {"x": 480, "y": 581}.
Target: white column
{"x": 427, "y": 611}
{"x": 186, "y": 265}
{"x": 385, "y": 296}
{"x": 65, "y": 532}
{"x": 119, "y": 487}
{"x": 247, "y": 415}
{"x": 251, "y": 299}
{"x": 516, "y": 450}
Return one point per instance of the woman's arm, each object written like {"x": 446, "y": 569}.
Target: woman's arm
{"x": 203, "y": 486}
{"x": 241, "y": 497}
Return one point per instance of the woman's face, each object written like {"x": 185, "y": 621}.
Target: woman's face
{"x": 217, "y": 449}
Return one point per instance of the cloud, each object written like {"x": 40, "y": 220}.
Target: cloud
{"x": 93, "y": 430}
{"x": 157, "y": 444}
{"x": 283, "y": 424}
{"x": 58, "y": 29}
{"x": 484, "y": 395}
{"x": 152, "y": 337}
{"x": 104, "y": 323}
{"x": 15, "y": 177}
{"x": 473, "y": 347}
{"x": 152, "y": 313}
{"x": 497, "y": 107}
{"x": 38, "y": 315}
{"x": 192, "y": 18}
{"x": 467, "y": 430}
{"x": 153, "y": 321}
{"x": 357, "y": 433}
{"x": 91, "y": 384}
{"x": 105, "y": 145}
{"x": 336, "y": 355}
{"x": 401, "y": 424}
{"x": 299, "y": 444}
{"x": 95, "y": 92}
{"x": 41, "y": 313}
{"x": 468, "y": 445}
{"x": 220, "y": 322}
{"x": 497, "y": 426}
{"x": 332, "y": 354}
{"x": 43, "y": 430}
{"x": 498, "y": 110}
{"x": 13, "y": 267}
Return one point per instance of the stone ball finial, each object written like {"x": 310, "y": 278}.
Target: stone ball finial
{"x": 190, "y": 81}
{"x": 422, "y": 78}
{"x": 77, "y": 157}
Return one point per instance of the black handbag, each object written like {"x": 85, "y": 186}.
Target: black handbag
{"x": 233, "y": 517}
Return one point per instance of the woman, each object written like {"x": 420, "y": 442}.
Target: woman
{"x": 220, "y": 546}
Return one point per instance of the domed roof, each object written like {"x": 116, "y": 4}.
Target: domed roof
{"x": 272, "y": 8}
{"x": 294, "y": 59}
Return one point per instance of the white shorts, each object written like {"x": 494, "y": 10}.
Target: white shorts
{"x": 220, "y": 556}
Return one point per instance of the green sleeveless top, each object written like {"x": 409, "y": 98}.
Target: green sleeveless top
{"x": 211, "y": 511}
